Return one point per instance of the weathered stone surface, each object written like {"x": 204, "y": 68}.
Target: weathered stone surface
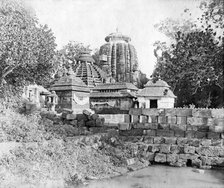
{"x": 187, "y": 156}
{"x": 178, "y": 127}
{"x": 159, "y": 140}
{"x": 212, "y": 151}
{"x": 217, "y": 113}
{"x": 193, "y": 142}
{"x": 139, "y": 126}
{"x": 135, "y": 111}
{"x": 190, "y": 134}
{"x": 80, "y": 117}
{"x": 150, "y": 132}
{"x": 165, "y": 148}
{"x": 217, "y": 142}
{"x": 124, "y": 126}
{"x": 201, "y": 113}
{"x": 210, "y": 121}
{"x": 81, "y": 123}
{"x": 219, "y": 121}
{"x": 132, "y": 132}
{"x": 189, "y": 149}
{"x": 148, "y": 139}
{"x": 184, "y": 112}
{"x": 74, "y": 122}
{"x": 153, "y": 119}
{"x": 143, "y": 119}
{"x": 179, "y": 133}
{"x": 176, "y": 149}
{"x": 152, "y": 112}
{"x": 164, "y": 126}
{"x": 217, "y": 161}
{"x": 166, "y": 133}
{"x": 203, "y": 128}
{"x": 182, "y": 141}
{"x": 86, "y": 112}
{"x": 170, "y": 140}
{"x": 135, "y": 119}
{"x": 100, "y": 122}
{"x": 130, "y": 161}
{"x": 181, "y": 120}
{"x": 160, "y": 158}
{"x": 196, "y": 121}
{"x": 170, "y": 112}
{"x": 153, "y": 147}
{"x": 71, "y": 116}
{"x": 151, "y": 125}
{"x": 191, "y": 128}
{"x": 171, "y": 119}
{"x": 205, "y": 142}
{"x": 162, "y": 119}
{"x": 197, "y": 162}
{"x": 200, "y": 134}
{"x": 94, "y": 116}
{"x": 172, "y": 158}
{"x": 149, "y": 156}
{"x": 179, "y": 163}
{"x": 212, "y": 135}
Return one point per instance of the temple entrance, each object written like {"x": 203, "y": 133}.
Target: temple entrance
{"x": 153, "y": 104}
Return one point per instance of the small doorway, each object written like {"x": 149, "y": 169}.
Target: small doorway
{"x": 153, "y": 104}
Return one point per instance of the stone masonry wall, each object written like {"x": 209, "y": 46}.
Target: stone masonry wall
{"x": 177, "y": 137}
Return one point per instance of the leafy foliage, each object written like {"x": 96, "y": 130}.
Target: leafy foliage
{"x": 193, "y": 64}
{"x": 26, "y": 48}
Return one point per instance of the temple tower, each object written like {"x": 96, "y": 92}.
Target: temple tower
{"x": 118, "y": 58}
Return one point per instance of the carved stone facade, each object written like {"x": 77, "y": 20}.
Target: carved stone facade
{"x": 118, "y": 58}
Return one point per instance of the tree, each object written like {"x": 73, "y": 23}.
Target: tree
{"x": 193, "y": 64}
{"x": 26, "y": 48}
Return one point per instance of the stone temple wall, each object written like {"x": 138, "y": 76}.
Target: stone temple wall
{"x": 177, "y": 137}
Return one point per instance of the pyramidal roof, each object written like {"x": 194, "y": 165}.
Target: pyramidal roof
{"x": 158, "y": 89}
{"x": 70, "y": 82}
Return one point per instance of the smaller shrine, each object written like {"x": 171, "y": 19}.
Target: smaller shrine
{"x": 116, "y": 97}
{"x": 72, "y": 93}
{"x": 156, "y": 95}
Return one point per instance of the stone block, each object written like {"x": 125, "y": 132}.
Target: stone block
{"x": 217, "y": 142}
{"x": 111, "y": 124}
{"x": 176, "y": 149}
{"x": 163, "y": 126}
{"x": 94, "y": 116}
{"x": 197, "y": 163}
{"x": 170, "y": 140}
{"x": 162, "y": 119}
{"x": 218, "y": 113}
{"x": 210, "y": 121}
{"x": 170, "y": 112}
{"x": 136, "y": 111}
{"x": 151, "y": 125}
{"x": 187, "y": 156}
{"x": 155, "y": 148}
{"x": 179, "y": 163}
{"x": 143, "y": 119}
{"x": 211, "y": 151}
{"x": 211, "y": 135}
{"x": 149, "y": 132}
{"x": 179, "y": 133}
{"x": 132, "y": 132}
{"x": 74, "y": 123}
{"x": 205, "y": 142}
{"x": 182, "y": 141}
{"x": 203, "y": 128}
{"x": 184, "y": 112}
{"x": 71, "y": 116}
{"x": 81, "y": 123}
{"x": 190, "y": 134}
{"x": 135, "y": 119}
{"x": 160, "y": 158}
{"x": 196, "y": 121}
{"x": 172, "y": 158}
{"x": 80, "y": 117}
{"x": 166, "y": 133}
{"x": 200, "y": 135}
{"x": 152, "y": 112}
{"x": 171, "y": 119}
{"x": 159, "y": 140}
{"x": 127, "y": 118}
{"x": 139, "y": 126}
{"x": 148, "y": 139}
{"x": 149, "y": 156}
{"x": 193, "y": 142}
{"x": 201, "y": 113}
{"x": 217, "y": 161}
{"x": 181, "y": 120}
{"x": 191, "y": 128}
{"x": 153, "y": 119}
{"x": 218, "y": 129}
{"x": 164, "y": 148}
{"x": 189, "y": 149}
{"x": 219, "y": 121}
{"x": 124, "y": 126}
{"x": 178, "y": 127}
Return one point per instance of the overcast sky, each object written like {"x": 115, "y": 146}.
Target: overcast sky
{"x": 90, "y": 21}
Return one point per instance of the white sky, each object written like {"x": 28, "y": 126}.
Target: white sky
{"x": 90, "y": 21}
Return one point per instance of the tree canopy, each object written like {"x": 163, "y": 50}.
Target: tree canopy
{"x": 193, "y": 64}
{"x": 26, "y": 47}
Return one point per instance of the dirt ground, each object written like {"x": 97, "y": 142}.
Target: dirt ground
{"x": 164, "y": 177}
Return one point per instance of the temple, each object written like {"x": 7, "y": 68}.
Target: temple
{"x": 118, "y": 58}
{"x": 87, "y": 71}
{"x": 113, "y": 97}
{"x": 72, "y": 92}
{"x": 156, "y": 95}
